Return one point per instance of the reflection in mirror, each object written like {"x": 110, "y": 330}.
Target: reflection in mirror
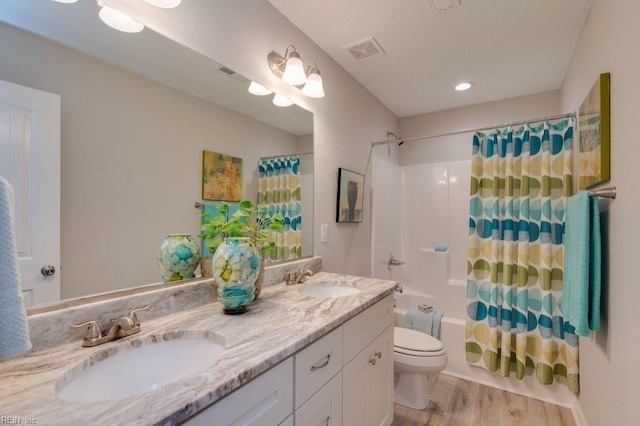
{"x": 137, "y": 112}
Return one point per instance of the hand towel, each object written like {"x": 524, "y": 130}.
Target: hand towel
{"x": 428, "y": 323}
{"x": 582, "y": 264}
{"x": 14, "y": 329}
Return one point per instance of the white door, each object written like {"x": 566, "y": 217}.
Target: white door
{"x": 30, "y": 161}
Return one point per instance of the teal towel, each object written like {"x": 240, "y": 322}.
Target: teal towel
{"x": 428, "y": 323}
{"x": 582, "y": 264}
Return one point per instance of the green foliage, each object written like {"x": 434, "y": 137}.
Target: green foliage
{"x": 249, "y": 221}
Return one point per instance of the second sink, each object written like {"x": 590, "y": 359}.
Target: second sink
{"x": 141, "y": 370}
{"x": 328, "y": 289}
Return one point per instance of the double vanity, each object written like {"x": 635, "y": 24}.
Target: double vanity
{"x": 300, "y": 355}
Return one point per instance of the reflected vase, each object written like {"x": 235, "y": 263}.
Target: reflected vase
{"x": 178, "y": 257}
{"x": 236, "y": 265}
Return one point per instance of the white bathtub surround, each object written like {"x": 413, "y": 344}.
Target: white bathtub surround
{"x": 280, "y": 323}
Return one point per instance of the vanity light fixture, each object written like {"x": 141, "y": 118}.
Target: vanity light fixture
{"x": 291, "y": 70}
{"x": 313, "y": 88}
{"x": 465, "y": 85}
{"x": 164, "y": 4}
{"x": 118, "y": 20}
{"x": 258, "y": 89}
{"x": 281, "y": 101}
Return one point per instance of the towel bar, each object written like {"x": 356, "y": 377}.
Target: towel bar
{"x": 610, "y": 192}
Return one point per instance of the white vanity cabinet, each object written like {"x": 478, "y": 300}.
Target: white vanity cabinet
{"x": 368, "y": 370}
{"x": 345, "y": 377}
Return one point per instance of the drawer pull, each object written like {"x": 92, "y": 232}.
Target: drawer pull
{"x": 372, "y": 361}
{"x": 322, "y": 363}
{"x": 327, "y": 421}
{"x": 379, "y": 355}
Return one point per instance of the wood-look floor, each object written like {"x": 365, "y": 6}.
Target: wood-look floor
{"x": 460, "y": 402}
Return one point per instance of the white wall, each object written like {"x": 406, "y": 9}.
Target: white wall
{"x": 240, "y": 34}
{"x": 609, "y": 373}
{"x": 131, "y": 160}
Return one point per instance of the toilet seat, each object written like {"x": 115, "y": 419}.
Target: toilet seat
{"x": 417, "y": 344}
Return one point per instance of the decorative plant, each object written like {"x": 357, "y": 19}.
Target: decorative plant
{"x": 249, "y": 221}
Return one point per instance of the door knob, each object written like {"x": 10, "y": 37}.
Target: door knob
{"x": 48, "y": 270}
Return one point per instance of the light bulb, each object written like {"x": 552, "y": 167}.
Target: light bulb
{"x": 165, "y": 4}
{"x": 282, "y": 101}
{"x": 313, "y": 88}
{"x": 119, "y": 21}
{"x": 258, "y": 89}
{"x": 464, "y": 86}
{"x": 294, "y": 70}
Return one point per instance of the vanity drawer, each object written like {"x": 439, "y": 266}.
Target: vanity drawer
{"x": 316, "y": 365}
{"x": 362, "y": 329}
{"x": 324, "y": 408}
{"x": 266, "y": 400}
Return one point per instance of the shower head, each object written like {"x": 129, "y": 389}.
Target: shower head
{"x": 395, "y": 136}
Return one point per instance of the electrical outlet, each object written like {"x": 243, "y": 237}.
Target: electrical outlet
{"x": 324, "y": 233}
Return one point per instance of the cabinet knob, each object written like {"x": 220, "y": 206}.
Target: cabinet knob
{"x": 48, "y": 270}
{"x": 372, "y": 361}
{"x": 327, "y": 421}
{"x": 379, "y": 355}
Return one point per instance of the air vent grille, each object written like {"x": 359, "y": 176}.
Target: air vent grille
{"x": 231, "y": 73}
{"x": 365, "y": 49}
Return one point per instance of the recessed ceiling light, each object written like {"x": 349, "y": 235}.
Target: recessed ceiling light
{"x": 65, "y": 1}
{"x": 464, "y": 86}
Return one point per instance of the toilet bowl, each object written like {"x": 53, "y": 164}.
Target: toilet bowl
{"x": 415, "y": 355}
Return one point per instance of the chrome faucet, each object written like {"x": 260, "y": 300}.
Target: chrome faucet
{"x": 121, "y": 327}
{"x": 298, "y": 277}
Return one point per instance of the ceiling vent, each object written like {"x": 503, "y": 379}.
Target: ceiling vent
{"x": 365, "y": 49}
{"x": 439, "y": 6}
{"x": 231, "y": 73}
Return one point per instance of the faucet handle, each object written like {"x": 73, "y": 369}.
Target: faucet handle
{"x": 93, "y": 330}
{"x": 133, "y": 317}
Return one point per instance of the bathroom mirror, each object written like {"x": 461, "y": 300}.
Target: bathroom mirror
{"x": 137, "y": 112}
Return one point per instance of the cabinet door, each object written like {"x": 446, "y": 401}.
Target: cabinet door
{"x": 379, "y": 390}
{"x": 368, "y": 384}
{"x": 324, "y": 408}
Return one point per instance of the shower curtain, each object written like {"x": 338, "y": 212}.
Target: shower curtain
{"x": 520, "y": 180}
{"x": 279, "y": 190}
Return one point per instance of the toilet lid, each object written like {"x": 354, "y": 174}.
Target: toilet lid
{"x": 415, "y": 341}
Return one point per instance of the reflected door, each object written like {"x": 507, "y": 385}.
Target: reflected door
{"x": 30, "y": 161}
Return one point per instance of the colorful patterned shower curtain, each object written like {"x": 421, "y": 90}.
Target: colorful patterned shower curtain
{"x": 520, "y": 180}
{"x": 279, "y": 190}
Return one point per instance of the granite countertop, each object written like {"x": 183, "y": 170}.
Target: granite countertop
{"x": 281, "y": 322}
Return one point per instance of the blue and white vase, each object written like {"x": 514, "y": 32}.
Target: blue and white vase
{"x": 178, "y": 257}
{"x": 236, "y": 264}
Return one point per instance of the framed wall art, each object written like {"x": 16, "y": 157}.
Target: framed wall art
{"x": 594, "y": 129}
{"x": 350, "y": 196}
{"x": 221, "y": 177}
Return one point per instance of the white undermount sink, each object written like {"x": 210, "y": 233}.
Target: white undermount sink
{"x": 328, "y": 289}
{"x": 141, "y": 370}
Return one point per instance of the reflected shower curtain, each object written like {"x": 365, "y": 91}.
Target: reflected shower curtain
{"x": 520, "y": 180}
{"x": 279, "y": 190}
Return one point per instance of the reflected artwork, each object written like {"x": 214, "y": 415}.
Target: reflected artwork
{"x": 221, "y": 177}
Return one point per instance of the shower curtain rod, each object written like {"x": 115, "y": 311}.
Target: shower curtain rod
{"x": 286, "y": 155}
{"x": 476, "y": 129}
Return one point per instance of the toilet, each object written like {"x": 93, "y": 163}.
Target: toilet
{"x": 415, "y": 355}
